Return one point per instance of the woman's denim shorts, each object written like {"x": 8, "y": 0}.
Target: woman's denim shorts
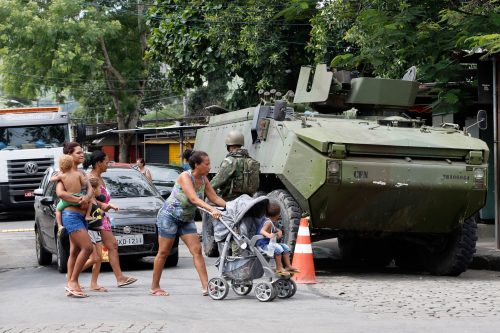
{"x": 73, "y": 221}
{"x": 169, "y": 226}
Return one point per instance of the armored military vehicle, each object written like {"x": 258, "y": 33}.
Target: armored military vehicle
{"x": 386, "y": 185}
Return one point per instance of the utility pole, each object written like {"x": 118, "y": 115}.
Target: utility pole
{"x": 181, "y": 132}
{"x": 495, "y": 149}
{"x": 185, "y": 105}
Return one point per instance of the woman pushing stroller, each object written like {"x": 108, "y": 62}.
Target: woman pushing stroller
{"x": 176, "y": 217}
{"x": 269, "y": 230}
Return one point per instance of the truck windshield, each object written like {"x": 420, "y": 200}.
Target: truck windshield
{"x": 31, "y": 137}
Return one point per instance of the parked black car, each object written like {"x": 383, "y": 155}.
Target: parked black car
{"x": 164, "y": 176}
{"x": 134, "y": 225}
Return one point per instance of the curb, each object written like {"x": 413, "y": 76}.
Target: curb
{"x": 17, "y": 230}
{"x": 486, "y": 259}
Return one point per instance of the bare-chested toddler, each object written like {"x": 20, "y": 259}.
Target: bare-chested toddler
{"x": 74, "y": 181}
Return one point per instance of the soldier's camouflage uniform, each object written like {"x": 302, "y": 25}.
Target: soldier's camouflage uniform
{"x": 229, "y": 181}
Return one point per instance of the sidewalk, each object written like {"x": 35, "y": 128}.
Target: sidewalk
{"x": 487, "y": 256}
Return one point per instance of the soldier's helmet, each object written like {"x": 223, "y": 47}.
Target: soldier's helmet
{"x": 235, "y": 138}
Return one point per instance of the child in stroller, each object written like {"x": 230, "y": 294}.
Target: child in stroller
{"x": 247, "y": 214}
{"x": 273, "y": 234}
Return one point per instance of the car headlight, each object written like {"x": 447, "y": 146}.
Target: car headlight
{"x": 333, "y": 172}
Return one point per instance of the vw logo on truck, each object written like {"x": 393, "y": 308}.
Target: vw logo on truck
{"x": 31, "y": 168}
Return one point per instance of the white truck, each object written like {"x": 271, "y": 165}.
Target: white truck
{"x": 31, "y": 140}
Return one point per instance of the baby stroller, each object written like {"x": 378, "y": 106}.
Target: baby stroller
{"x": 245, "y": 213}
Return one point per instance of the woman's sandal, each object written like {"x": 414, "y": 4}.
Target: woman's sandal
{"x": 75, "y": 293}
{"x": 99, "y": 289}
{"x": 204, "y": 292}
{"x": 158, "y": 292}
{"x": 129, "y": 280}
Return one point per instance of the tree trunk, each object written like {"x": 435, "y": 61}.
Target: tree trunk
{"x": 112, "y": 75}
{"x": 124, "y": 139}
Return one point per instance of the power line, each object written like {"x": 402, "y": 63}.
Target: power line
{"x": 77, "y": 87}
{"x": 74, "y": 79}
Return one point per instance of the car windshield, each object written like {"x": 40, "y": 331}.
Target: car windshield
{"x": 31, "y": 137}
{"x": 128, "y": 184}
{"x": 164, "y": 174}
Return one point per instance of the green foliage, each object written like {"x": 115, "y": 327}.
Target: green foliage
{"x": 261, "y": 42}
{"x": 93, "y": 51}
{"x": 48, "y": 46}
{"x": 385, "y": 38}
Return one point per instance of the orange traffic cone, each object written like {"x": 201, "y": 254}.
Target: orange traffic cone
{"x": 303, "y": 255}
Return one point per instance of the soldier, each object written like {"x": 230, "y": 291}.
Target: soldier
{"x": 238, "y": 173}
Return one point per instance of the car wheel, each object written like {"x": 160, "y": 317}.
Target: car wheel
{"x": 173, "y": 257}
{"x": 62, "y": 256}
{"x": 43, "y": 256}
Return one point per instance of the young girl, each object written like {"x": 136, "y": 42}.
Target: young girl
{"x": 95, "y": 258}
{"x": 94, "y": 213}
{"x": 269, "y": 230}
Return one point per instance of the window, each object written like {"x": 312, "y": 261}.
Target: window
{"x": 31, "y": 137}
{"x": 128, "y": 184}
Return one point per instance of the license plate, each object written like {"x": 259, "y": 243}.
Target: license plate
{"x": 29, "y": 194}
{"x": 126, "y": 240}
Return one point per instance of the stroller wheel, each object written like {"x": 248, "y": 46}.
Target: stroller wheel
{"x": 242, "y": 289}
{"x": 218, "y": 288}
{"x": 265, "y": 292}
{"x": 286, "y": 288}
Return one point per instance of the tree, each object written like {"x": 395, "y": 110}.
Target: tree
{"x": 262, "y": 42}
{"x": 93, "y": 51}
{"x": 386, "y": 37}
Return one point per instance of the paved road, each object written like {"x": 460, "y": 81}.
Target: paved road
{"x": 346, "y": 299}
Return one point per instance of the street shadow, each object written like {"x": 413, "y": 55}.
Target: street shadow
{"x": 16, "y": 216}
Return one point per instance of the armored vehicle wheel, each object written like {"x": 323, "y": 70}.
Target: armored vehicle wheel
{"x": 290, "y": 216}
{"x": 456, "y": 251}
{"x": 218, "y": 288}
{"x": 210, "y": 246}
{"x": 286, "y": 288}
{"x": 242, "y": 289}
{"x": 265, "y": 292}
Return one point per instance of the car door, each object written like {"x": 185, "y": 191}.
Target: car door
{"x": 47, "y": 218}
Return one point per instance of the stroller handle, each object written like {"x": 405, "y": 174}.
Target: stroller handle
{"x": 241, "y": 242}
